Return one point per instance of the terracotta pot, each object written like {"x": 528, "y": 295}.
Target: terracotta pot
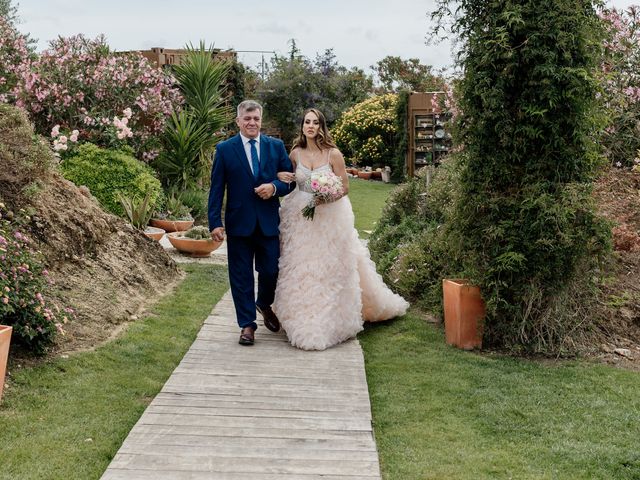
{"x": 172, "y": 225}
{"x": 352, "y": 170}
{"x": 5, "y": 339}
{"x": 365, "y": 175}
{"x": 154, "y": 233}
{"x": 376, "y": 175}
{"x": 464, "y": 312}
{"x": 195, "y": 248}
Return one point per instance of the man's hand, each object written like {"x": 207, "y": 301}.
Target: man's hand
{"x": 266, "y": 190}
{"x": 217, "y": 234}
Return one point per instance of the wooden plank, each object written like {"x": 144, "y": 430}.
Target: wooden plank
{"x": 116, "y": 474}
{"x": 217, "y": 411}
{"x": 346, "y": 444}
{"x": 248, "y": 452}
{"x": 259, "y": 402}
{"x": 346, "y": 424}
{"x": 247, "y": 431}
{"x": 246, "y": 465}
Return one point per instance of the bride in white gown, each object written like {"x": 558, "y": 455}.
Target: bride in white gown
{"x": 327, "y": 283}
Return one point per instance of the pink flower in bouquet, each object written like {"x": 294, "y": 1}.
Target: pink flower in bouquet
{"x": 326, "y": 187}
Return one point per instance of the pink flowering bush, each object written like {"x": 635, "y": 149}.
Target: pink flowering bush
{"x": 24, "y": 283}
{"x": 620, "y": 78}
{"x": 13, "y": 52}
{"x": 110, "y": 99}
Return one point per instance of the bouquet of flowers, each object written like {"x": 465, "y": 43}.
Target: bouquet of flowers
{"x": 326, "y": 188}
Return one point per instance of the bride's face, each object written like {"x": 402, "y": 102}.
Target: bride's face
{"x": 311, "y": 125}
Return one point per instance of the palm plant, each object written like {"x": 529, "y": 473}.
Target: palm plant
{"x": 180, "y": 162}
{"x": 191, "y": 134}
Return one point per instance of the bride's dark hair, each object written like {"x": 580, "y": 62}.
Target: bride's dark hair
{"x": 323, "y": 140}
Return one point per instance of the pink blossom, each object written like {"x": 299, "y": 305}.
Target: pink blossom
{"x": 55, "y": 131}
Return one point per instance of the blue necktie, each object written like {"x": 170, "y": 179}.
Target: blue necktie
{"x": 255, "y": 162}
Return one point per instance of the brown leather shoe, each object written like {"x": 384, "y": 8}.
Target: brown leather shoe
{"x": 270, "y": 320}
{"x": 247, "y": 336}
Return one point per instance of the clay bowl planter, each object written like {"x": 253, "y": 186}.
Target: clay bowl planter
{"x": 364, "y": 175}
{"x": 376, "y": 175}
{"x": 172, "y": 225}
{"x": 5, "y": 339}
{"x": 464, "y": 312}
{"x": 154, "y": 233}
{"x": 191, "y": 246}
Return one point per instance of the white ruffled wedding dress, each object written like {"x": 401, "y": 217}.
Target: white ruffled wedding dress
{"x": 327, "y": 284}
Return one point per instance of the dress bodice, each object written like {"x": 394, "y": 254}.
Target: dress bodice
{"x": 303, "y": 174}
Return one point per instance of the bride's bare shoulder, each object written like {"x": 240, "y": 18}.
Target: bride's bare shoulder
{"x": 335, "y": 156}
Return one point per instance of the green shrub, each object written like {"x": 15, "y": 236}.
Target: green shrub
{"x": 525, "y": 219}
{"x": 110, "y": 173}
{"x": 366, "y": 132}
{"x": 412, "y": 244}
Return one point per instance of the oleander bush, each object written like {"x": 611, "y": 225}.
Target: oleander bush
{"x": 81, "y": 84}
{"x": 110, "y": 174}
{"x": 25, "y": 300}
{"x": 620, "y": 78}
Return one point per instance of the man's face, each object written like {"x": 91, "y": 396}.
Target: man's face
{"x": 249, "y": 123}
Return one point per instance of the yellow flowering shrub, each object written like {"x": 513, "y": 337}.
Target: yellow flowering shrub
{"x": 365, "y": 133}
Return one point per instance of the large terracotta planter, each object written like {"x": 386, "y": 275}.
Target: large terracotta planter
{"x": 5, "y": 339}
{"x": 172, "y": 225}
{"x": 464, "y": 312}
{"x": 364, "y": 175}
{"x": 190, "y": 246}
{"x": 154, "y": 233}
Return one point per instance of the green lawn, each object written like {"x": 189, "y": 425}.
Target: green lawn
{"x": 441, "y": 413}
{"x": 367, "y": 197}
{"x": 67, "y": 418}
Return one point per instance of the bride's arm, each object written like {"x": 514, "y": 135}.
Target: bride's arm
{"x": 337, "y": 164}
{"x": 289, "y": 177}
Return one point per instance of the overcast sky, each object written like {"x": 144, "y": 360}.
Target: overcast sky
{"x": 360, "y": 32}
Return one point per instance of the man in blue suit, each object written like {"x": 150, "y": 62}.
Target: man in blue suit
{"x": 246, "y": 166}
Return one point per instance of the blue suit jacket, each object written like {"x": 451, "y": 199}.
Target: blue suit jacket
{"x": 244, "y": 209}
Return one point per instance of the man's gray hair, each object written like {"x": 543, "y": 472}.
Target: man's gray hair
{"x": 248, "y": 106}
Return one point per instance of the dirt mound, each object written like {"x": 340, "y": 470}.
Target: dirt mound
{"x": 618, "y": 195}
{"x": 100, "y": 265}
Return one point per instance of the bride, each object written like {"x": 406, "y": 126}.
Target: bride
{"x": 327, "y": 284}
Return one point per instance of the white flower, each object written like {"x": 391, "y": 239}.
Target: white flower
{"x": 55, "y": 131}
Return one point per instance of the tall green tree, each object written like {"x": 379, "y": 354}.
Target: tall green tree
{"x": 396, "y": 74}
{"x": 295, "y": 83}
{"x": 526, "y": 219}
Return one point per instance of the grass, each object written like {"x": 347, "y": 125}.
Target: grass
{"x": 67, "y": 418}
{"x": 441, "y": 413}
{"x": 367, "y": 198}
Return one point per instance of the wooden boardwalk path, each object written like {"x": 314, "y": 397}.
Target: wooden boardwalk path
{"x": 265, "y": 412}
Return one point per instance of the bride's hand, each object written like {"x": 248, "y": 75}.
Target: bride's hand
{"x": 286, "y": 177}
